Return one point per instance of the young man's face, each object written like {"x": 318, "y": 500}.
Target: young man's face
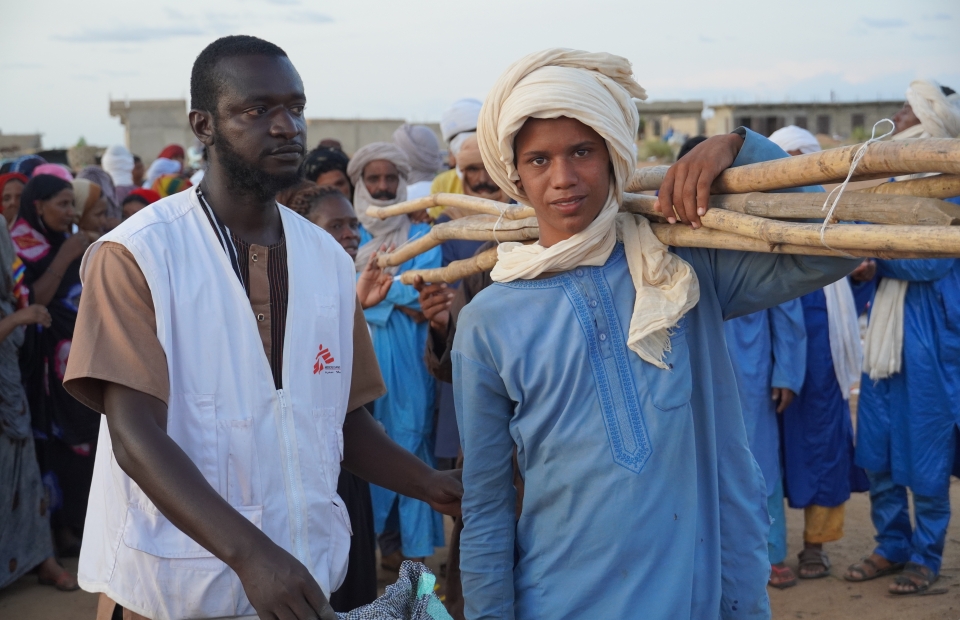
{"x": 382, "y": 179}
{"x": 335, "y": 215}
{"x": 259, "y": 129}
{"x": 564, "y": 168}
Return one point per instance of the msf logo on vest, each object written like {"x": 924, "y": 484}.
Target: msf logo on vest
{"x": 323, "y": 362}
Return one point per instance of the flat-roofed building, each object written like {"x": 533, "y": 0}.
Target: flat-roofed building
{"x": 15, "y": 145}
{"x": 662, "y": 118}
{"x": 833, "y": 118}
{"x": 150, "y": 125}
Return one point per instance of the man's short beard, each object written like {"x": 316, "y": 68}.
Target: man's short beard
{"x": 243, "y": 177}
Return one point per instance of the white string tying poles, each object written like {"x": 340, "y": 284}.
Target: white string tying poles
{"x": 843, "y": 186}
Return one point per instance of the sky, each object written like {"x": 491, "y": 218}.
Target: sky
{"x": 62, "y": 61}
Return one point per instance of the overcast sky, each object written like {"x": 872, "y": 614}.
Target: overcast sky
{"x": 61, "y": 61}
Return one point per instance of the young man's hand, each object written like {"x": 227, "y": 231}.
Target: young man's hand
{"x": 685, "y": 191}
{"x": 444, "y": 491}
{"x": 279, "y": 586}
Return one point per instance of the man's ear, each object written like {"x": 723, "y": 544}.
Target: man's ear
{"x": 201, "y": 123}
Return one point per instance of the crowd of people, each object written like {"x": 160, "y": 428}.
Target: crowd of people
{"x": 746, "y": 378}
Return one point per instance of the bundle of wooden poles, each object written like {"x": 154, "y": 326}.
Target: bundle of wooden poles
{"x": 905, "y": 219}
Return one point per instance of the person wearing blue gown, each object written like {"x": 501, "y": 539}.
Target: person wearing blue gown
{"x": 604, "y": 365}
{"x": 816, "y": 430}
{"x": 908, "y": 413}
{"x": 768, "y": 351}
{"x": 399, "y": 333}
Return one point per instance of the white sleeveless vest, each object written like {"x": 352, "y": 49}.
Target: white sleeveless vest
{"x": 273, "y": 455}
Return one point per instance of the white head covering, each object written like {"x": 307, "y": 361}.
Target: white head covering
{"x": 118, "y": 162}
{"x": 793, "y": 138}
{"x": 939, "y": 114}
{"x": 422, "y": 149}
{"x": 158, "y": 168}
{"x": 85, "y": 195}
{"x": 457, "y": 143}
{"x": 462, "y": 116}
{"x": 597, "y": 90}
{"x": 392, "y": 230}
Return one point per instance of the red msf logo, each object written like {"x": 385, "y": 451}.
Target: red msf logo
{"x": 327, "y": 358}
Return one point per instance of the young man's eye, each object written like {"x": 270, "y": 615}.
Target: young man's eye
{"x": 538, "y": 161}
{"x": 582, "y": 152}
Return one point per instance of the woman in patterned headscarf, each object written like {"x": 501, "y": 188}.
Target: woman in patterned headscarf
{"x": 66, "y": 431}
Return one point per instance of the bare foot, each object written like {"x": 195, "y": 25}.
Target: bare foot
{"x": 50, "y": 573}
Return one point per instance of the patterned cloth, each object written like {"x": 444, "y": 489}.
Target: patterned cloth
{"x": 410, "y": 598}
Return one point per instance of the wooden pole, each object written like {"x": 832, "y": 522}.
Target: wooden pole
{"x": 472, "y": 228}
{"x": 457, "y": 270}
{"x": 878, "y": 209}
{"x": 468, "y": 203}
{"x": 938, "y": 186}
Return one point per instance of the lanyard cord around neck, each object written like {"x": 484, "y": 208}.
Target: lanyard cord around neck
{"x": 223, "y": 235}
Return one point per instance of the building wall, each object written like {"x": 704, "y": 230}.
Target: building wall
{"x": 833, "y": 119}
{"x": 659, "y": 117}
{"x": 15, "y": 145}
{"x": 151, "y": 125}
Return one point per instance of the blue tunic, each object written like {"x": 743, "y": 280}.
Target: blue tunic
{"x": 406, "y": 411}
{"x": 905, "y": 423}
{"x": 817, "y": 430}
{"x": 768, "y": 350}
{"x": 641, "y": 496}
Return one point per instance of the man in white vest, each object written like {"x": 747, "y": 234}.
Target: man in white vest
{"x": 221, "y": 337}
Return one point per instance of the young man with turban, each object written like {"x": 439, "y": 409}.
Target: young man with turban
{"x": 599, "y": 355}
{"x": 379, "y": 172}
{"x": 907, "y": 414}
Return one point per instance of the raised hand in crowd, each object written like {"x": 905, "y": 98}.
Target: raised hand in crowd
{"x": 435, "y": 302}
{"x": 374, "y": 284}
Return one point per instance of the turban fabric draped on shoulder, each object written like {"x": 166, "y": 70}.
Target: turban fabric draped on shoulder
{"x": 598, "y": 90}
{"x": 422, "y": 149}
{"x": 392, "y": 230}
{"x": 793, "y": 138}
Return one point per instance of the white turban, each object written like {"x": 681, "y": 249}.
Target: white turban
{"x": 597, "y": 90}
{"x": 422, "y": 149}
{"x": 793, "y": 138}
{"x": 392, "y": 230}
{"x": 939, "y": 114}
{"x": 457, "y": 143}
{"x": 462, "y": 116}
{"x": 161, "y": 166}
{"x": 118, "y": 162}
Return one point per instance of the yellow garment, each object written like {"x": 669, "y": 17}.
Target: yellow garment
{"x": 822, "y": 524}
{"x": 599, "y": 91}
{"x": 445, "y": 183}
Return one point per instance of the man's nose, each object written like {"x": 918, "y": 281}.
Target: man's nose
{"x": 286, "y": 125}
{"x": 562, "y": 173}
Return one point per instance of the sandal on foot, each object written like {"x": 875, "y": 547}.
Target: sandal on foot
{"x": 867, "y": 570}
{"x": 811, "y": 556}
{"x": 917, "y": 577}
{"x": 781, "y": 577}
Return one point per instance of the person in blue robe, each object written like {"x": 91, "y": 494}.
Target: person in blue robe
{"x": 642, "y": 498}
{"x": 407, "y": 409}
{"x": 907, "y": 428}
{"x": 768, "y": 352}
{"x": 817, "y": 439}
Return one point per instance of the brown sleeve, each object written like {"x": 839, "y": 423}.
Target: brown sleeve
{"x": 115, "y": 340}
{"x": 367, "y": 383}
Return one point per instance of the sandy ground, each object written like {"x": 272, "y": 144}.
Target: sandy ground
{"x": 831, "y": 598}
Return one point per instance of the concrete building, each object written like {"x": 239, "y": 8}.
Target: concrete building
{"x": 151, "y": 125}
{"x": 15, "y": 145}
{"x": 658, "y": 118}
{"x": 831, "y": 118}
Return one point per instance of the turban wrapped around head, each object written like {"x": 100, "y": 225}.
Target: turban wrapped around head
{"x": 85, "y": 195}
{"x": 460, "y": 117}
{"x": 53, "y": 169}
{"x": 160, "y": 167}
{"x": 118, "y": 162}
{"x": 793, "y": 138}
{"x": 172, "y": 151}
{"x": 422, "y": 149}
{"x": 598, "y": 90}
{"x": 392, "y": 230}
{"x": 100, "y": 177}
{"x": 939, "y": 113}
